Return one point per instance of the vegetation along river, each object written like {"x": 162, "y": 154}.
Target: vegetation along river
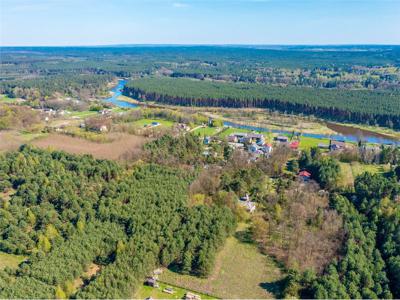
{"x": 344, "y": 133}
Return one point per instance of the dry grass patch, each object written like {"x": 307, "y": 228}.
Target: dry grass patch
{"x": 123, "y": 146}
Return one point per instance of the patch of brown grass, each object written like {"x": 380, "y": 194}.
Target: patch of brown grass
{"x": 123, "y": 146}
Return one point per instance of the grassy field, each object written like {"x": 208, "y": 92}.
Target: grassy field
{"x": 10, "y": 260}
{"x": 147, "y": 122}
{"x": 231, "y": 130}
{"x": 157, "y": 293}
{"x": 240, "y": 271}
{"x": 309, "y": 142}
{"x": 206, "y": 131}
{"x": 349, "y": 171}
{"x": 83, "y": 114}
{"x": 12, "y": 139}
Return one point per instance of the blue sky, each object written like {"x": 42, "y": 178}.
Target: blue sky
{"x": 102, "y": 22}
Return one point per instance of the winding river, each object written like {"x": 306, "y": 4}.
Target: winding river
{"x": 344, "y": 133}
{"x": 116, "y": 92}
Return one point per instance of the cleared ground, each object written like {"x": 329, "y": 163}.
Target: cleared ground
{"x": 349, "y": 171}
{"x": 240, "y": 272}
{"x": 11, "y": 139}
{"x": 10, "y": 260}
{"x": 122, "y": 146}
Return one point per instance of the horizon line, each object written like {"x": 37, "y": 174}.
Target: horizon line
{"x": 199, "y": 44}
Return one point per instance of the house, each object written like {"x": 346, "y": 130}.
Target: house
{"x": 255, "y": 138}
{"x": 253, "y": 148}
{"x": 294, "y": 145}
{"x": 232, "y": 138}
{"x": 267, "y": 148}
{"x": 337, "y": 145}
{"x": 282, "y": 139}
{"x": 237, "y": 137}
{"x": 151, "y": 281}
{"x": 304, "y": 175}
{"x": 192, "y": 296}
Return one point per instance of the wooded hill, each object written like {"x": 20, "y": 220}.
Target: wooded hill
{"x": 69, "y": 211}
{"x": 370, "y": 107}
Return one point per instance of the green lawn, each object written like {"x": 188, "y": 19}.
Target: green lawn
{"x": 231, "y": 130}
{"x": 10, "y": 260}
{"x": 309, "y": 142}
{"x": 157, "y": 293}
{"x": 240, "y": 271}
{"x": 144, "y": 122}
{"x": 205, "y": 131}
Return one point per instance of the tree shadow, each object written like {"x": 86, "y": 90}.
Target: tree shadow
{"x": 244, "y": 236}
{"x": 275, "y": 287}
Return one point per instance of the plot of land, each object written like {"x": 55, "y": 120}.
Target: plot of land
{"x": 241, "y": 271}
{"x": 145, "y": 292}
{"x": 231, "y": 130}
{"x": 309, "y": 142}
{"x": 205, "y": 131}
{"x": 10, "y": 260}
{"x": 92, "y": 270}
{"x": 349, "y": 171}
{"x": 122, "y": 145}
{"x": 11, "y": 139}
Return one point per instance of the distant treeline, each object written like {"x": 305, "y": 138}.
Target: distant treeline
{"x": 359, "y": 106}
{"x": 41, "y": 88}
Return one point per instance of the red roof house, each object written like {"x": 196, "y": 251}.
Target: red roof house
{"x": 305, "y": 174}
{"x": 294, "y": 145}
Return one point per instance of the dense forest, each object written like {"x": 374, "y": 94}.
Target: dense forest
{"x": 76, "y": 86}
{"x": 377, "y": 107}
{"x": 67, "y": 212}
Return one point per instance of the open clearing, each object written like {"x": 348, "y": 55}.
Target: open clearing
{"x": 349, "y": 171}
{"x": 240, "y": 271}
{"x": 205, "y": 131}
{"x": 12, "y": 139}
{"x": 122, "y": 145}
{"x": 10, "y": 260}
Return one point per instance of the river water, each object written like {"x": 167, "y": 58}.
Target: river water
{"x": 117, "y": 91}
{"x": 344, "y": 133}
